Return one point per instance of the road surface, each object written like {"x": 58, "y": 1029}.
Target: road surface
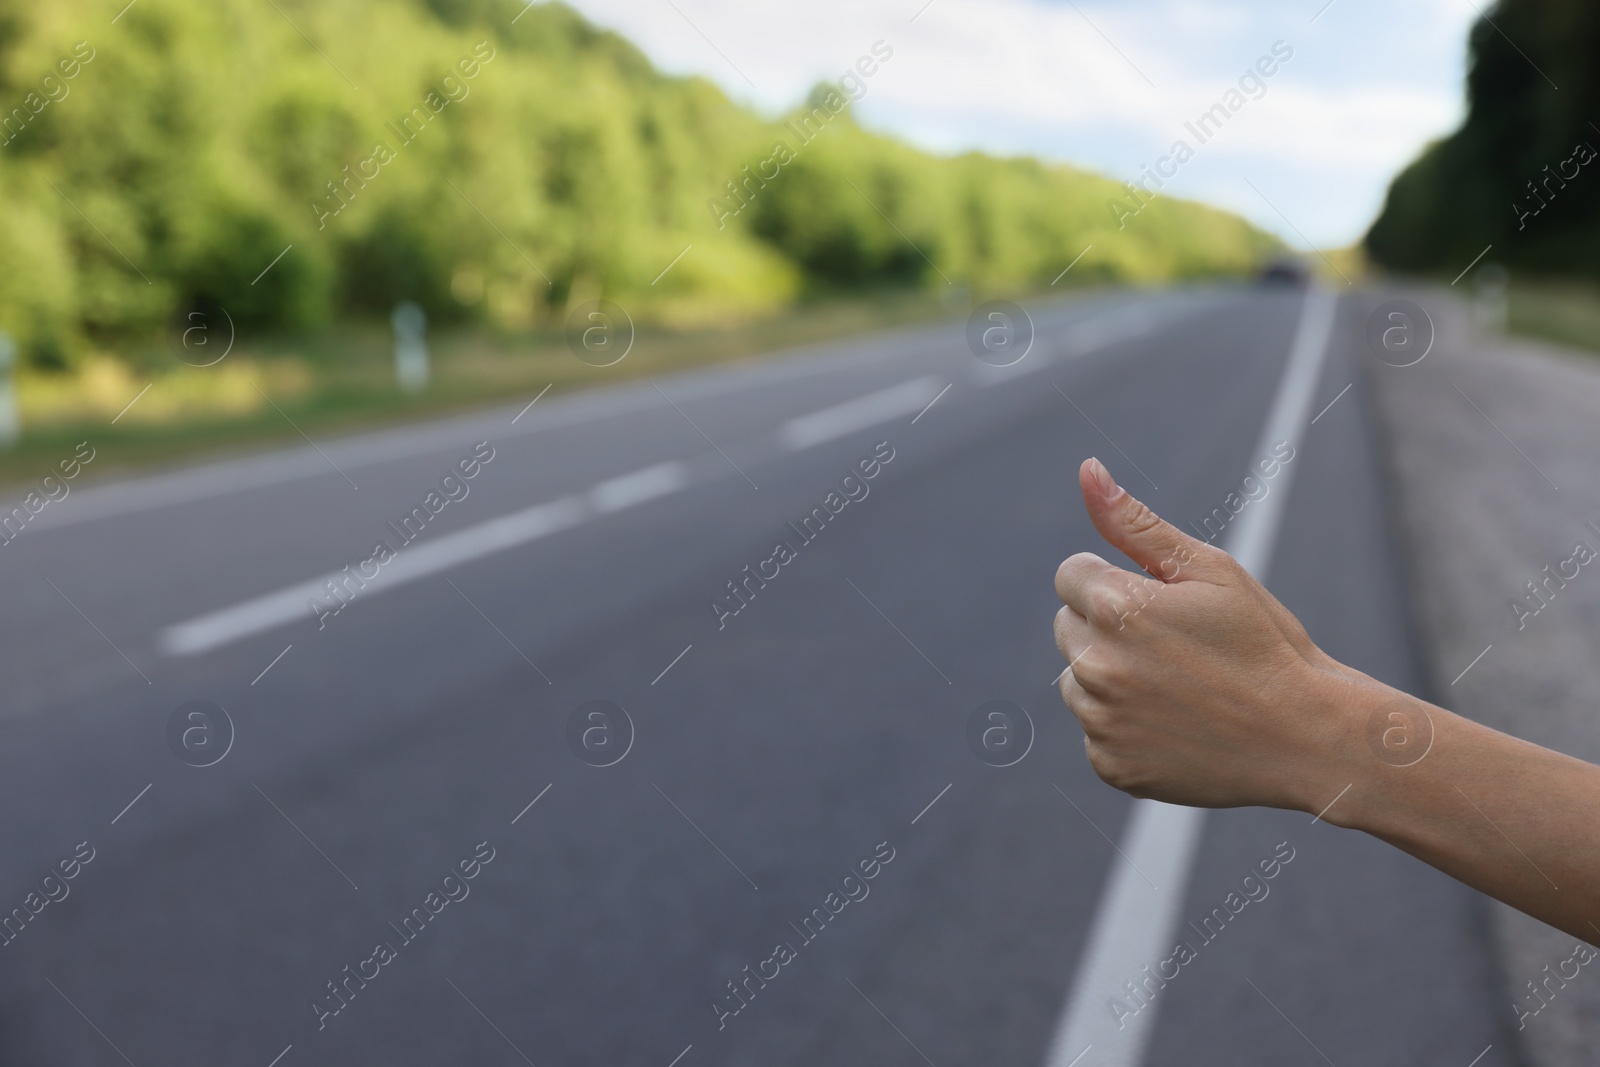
{"x": 768, "y": 758}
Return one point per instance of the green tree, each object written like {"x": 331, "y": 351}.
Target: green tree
{"x": 1523, "y": 171}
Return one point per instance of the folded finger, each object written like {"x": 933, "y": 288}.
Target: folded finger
{"x": 1079, "y": 576}
{"x": 1071, "y": 633}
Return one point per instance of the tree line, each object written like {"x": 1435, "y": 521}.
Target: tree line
{"x": 1519, "y": 174}
{"x": 299, "y": 162}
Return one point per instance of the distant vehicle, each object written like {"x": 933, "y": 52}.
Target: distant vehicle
{"x": 1283, "y": 270}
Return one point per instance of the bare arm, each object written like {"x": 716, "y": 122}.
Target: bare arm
{"x": 1195, "y": 686}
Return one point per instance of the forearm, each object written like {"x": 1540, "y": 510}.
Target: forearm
{"x": 1516, "y": 821}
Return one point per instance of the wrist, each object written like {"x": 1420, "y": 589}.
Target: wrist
{"x": 1337, "y": 768}
{"x": 1389, "y": 750}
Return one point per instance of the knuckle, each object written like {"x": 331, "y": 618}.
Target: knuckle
{"x": 1212, "y": 558}
{"x": 1108, "y": 767}
{"x": 1095, "y": 719}
{"x": 1083, "y": 668}
{"x": 1115, "y": 674}
{"x": 1215, "y": 557}
{"x": 1106, "y": 607}
{"x": 1143, "y": 594}
{"x": 1092, "y": 671}
{"x": 1072, "y": 693}
{"x": 1074, "y": 570}
{"x": 1061, "y": 625}
{"x": 1118, "y": 772}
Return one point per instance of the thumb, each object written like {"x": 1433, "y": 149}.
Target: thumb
{"x": 1163, "y": 550}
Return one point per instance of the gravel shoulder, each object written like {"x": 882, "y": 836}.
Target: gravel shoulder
{"x": 1492, "y": 446}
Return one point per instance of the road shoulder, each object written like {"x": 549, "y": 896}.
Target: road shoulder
{"x": 1490, "y": 446}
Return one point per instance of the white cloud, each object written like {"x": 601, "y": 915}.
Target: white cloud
{"x": 1108, "y": 86}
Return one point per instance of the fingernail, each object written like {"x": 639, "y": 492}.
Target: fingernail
{"x": 1102, "y": 478}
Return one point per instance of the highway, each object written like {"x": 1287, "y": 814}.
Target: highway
{"x": 419, "y": 840}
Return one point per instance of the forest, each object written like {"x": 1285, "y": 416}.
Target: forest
{"x": 1519, "y": 174}
{"x": 301, "y": 164}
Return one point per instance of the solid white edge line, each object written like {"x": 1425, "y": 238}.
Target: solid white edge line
{"x": 1131, "y": 928}
{"x": 1252, "y": 542}
{"x": 858, "y": 414}
{"x": 1134, "y": 923}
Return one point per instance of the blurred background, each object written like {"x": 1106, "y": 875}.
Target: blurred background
{"x": 211, "y": 176}
{"x": 537, "y": 296}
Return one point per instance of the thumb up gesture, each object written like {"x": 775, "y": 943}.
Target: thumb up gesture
{"x": 1194, "y": 686}
{"x": 1192, "y": 683}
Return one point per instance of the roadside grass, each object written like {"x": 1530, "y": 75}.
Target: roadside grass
{"x": 1565, "y": 312}
{"x": 276, "y": 389}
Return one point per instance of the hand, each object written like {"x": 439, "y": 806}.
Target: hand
{"x": 1194, "y": 685}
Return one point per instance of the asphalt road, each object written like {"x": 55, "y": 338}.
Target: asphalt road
{"x": 823, "y": 725}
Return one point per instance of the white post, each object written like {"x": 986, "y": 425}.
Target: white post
{"x": 410, "y": 347}
{"x": 1491, "y": 298}
{"x": 10, "y": 419}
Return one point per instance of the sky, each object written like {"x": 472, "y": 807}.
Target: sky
{"x": 1110, "y": 86}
